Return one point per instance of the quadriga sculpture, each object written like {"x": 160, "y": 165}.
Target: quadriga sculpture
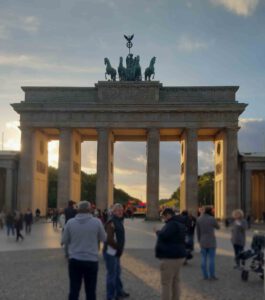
{"x": 121, "y": 70}
{"x": 149, "y": 71}
{"x": 109, "y": 70}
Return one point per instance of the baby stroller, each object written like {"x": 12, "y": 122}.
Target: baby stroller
{"x": 253, "y": 260}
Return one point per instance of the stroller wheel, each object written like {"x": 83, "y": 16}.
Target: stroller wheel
{"x": 244, "y": 275}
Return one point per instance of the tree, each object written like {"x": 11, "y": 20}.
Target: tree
{"x": 52, "y": 187}
{"x": 88, "y": 189}
{"x": 205, "y": 191}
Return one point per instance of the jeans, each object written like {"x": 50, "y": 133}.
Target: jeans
{"x": 208, "y": 254}
{"x": 114, "y": 284}
{"x": 10, "y": 228}
{"x": 19, "y": 235}
{"x": 28, "y": 228}
{"x": 78, "y": 270}
{"x": 237, "y": 249}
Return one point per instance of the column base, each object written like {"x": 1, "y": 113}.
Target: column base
{"x": 152, "y": 219}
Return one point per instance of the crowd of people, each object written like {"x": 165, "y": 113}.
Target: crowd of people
{"x": 84, "y": 227}
{"x": 82, "y": 233}
{"x": 15, "y": 222}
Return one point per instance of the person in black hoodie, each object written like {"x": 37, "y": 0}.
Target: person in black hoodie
{"x": 70, "y": 211}
{"x": 170, "y": 249}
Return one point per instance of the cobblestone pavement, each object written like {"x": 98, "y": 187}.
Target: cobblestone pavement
{"x": 41, "y": 274}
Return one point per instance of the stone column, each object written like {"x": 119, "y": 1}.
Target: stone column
{"x": 69, "y": 171}
{"x": 261, "y": 193}
{"x": 152, "y": 195}
{"x": 9, "y": 201}
{"x": 246, "y": 191}
{"x": 232, "y": 195}
{"x": 25, "y": 172}
{"x": 104, "y": 191}
{"x": 189, "y": 171}
{"x": 226, "y": 173}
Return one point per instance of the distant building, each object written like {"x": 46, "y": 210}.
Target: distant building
{"x": 252, "y": 170}
{"x": 8, "y": 179}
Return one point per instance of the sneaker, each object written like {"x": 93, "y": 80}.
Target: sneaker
{"x": 124, "y": 295}
{"x": 213, "y": 278}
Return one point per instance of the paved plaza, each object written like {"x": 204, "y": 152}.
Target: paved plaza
{"x": 36, "y": 268}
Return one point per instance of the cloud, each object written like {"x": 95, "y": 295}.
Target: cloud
{"x": 251, "y": 136}
{"x": 190, "y": 44}
{"x": 34, "y": 62}
{"x": 12, "y": 144}
{"x": 243, "y": 122}
{"x": 3, "y": 32}
{"x": 13, "y": 125}
{"x": 11, "y": 22}
{"x": 137, "y": 190}
{"x": 29, "y": 23}
{"x": 239, "y": 7}
{"x": 53, "y": 153}
{"x": 125, "y": 171}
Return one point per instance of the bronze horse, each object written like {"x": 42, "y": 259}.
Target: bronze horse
{"x": 109, "y": 70}
{"x": 150, "y": 70}
{"x": 121, "y": 70}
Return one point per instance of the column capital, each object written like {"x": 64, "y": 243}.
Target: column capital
{"x": 153, "y": 131}
{"x": 232, "y": 129}
{"x": 65, "y": 129}
{"x": 27, "y": 129}
{"x": 189, "y": 130}
{"x": 102, "y": 129}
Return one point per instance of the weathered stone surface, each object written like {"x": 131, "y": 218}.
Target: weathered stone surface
{"x": 47, "y": 270}
{"x": 128, "y": 92}
{"x": 131, "y": 92}
{"x": 139, "y": 106}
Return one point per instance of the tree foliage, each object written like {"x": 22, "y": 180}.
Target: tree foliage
{"x": 88, "y": 189}
{"x": 205, "y": 192}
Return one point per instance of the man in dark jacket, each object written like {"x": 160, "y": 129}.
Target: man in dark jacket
{"x": 70, "y": 211}
{"x": 112, "y": 252}
{"x": 28, "y": 217}
{"x": 170, "y": 248}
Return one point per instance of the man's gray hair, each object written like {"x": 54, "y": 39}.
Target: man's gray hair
{"x": 116, "y": 206}
{"x": 84, "y": 205}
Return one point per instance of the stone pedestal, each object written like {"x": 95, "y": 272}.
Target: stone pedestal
{"x": 189, "y": 171}
{"x": 104, "y": 192}
{"x": 69, "y": 172}
{"x": 152, "y": 196}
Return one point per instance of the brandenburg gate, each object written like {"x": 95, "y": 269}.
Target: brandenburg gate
{"x": 128, "y": 111}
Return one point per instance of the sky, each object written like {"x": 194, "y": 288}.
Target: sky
{"x": 196, "y": 42}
